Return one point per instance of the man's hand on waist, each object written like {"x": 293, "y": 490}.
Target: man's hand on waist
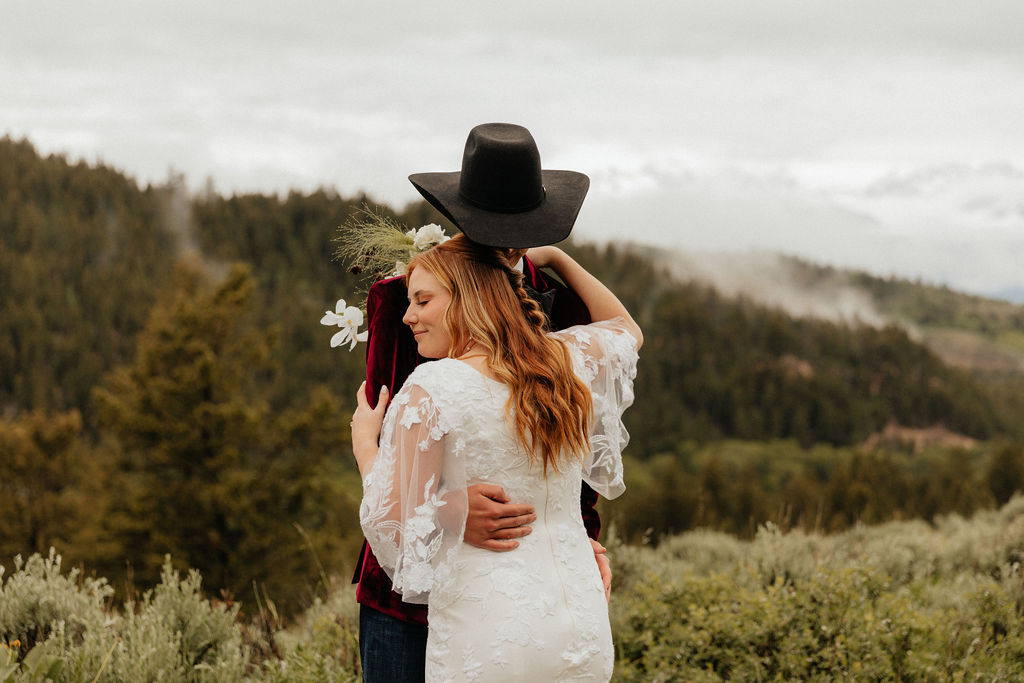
{"x": 492, "y": 522}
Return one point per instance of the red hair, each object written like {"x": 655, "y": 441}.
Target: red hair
{"x": 550, "y": 407}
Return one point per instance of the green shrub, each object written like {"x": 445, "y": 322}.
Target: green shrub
{"x": 900, "y": 601}
{"x": 38, "y": 601}
{"x": 903, "y": 601}
{"x": 324, "y": 643}
{"x": 175, "y": 631}
{"x": 63, "y": 629}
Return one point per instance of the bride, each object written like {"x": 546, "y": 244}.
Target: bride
{"x": 506, "y": 403}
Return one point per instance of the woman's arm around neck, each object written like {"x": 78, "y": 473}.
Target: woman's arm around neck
{"x": 600, "y": 301}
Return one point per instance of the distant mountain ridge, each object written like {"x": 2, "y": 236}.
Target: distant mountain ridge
{"x": 966, "y": 330}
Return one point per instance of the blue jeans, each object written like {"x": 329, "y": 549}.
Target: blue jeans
{"x": 391, "y": 650}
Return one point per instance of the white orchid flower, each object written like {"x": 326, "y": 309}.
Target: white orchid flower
{"x": 348, "y": 318}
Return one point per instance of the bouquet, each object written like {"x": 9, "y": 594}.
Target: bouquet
{"x": 382, "y": 247}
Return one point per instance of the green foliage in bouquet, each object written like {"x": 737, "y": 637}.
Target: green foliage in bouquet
{"x": 374, "y": 243}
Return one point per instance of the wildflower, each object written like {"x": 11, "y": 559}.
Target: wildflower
{"x": 427, "y": 236}
{"x": 348, "y": 318}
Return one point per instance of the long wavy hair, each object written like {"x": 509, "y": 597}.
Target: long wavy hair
{"x": 549, "y": 406}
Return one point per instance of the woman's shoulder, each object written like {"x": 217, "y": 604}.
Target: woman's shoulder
{"x": 447, "y": 388}
{"x": 614, "y": 332}
{"x": 607, "y": 343}
{"x": 440, "y": 377}
{"x": 428, "y": 372}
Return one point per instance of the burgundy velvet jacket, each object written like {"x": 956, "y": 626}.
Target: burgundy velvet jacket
{"x": 390, "y": 358}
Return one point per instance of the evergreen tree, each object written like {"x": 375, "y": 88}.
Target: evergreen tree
{"x": 206, "y": 472}
{"x": 83, "y": 252}
{"x": 41, "y": 468}
{"x": 1005, "y": 474}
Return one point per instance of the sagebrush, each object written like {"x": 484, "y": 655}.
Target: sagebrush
{"x": 899, "y": 601}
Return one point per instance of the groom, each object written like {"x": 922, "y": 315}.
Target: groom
{"x": 501, "y": 198}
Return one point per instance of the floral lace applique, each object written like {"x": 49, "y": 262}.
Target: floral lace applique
{"x": 605, "y": 357}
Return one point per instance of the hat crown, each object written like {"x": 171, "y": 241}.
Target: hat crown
{"x": 501, "y": 169}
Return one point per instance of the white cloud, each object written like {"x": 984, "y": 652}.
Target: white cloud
{"x": 727, "y": 125}
{"x": 962, "y": 225}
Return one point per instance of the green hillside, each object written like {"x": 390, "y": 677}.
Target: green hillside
{"x": 966, "y": 330}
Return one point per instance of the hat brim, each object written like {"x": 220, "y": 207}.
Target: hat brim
{"x": 548, "y": 223}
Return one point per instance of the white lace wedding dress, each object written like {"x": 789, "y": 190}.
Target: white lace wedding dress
{"x": 537, "y": 613}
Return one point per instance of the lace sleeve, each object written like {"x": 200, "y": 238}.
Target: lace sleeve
{"x": 605, "y": 354}
{"x": 414, "y": 498}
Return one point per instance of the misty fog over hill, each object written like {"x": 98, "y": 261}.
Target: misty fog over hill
{"x": 966, "y": 330}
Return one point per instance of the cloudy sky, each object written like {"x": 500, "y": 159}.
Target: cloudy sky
{"x": 867, "y": 133}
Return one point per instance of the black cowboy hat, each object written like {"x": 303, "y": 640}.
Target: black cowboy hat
{"x": 502, "y": 197}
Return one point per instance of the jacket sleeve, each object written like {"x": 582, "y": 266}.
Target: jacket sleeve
{"x": 390, "y": 348}
{"x": 390, "y": 358}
